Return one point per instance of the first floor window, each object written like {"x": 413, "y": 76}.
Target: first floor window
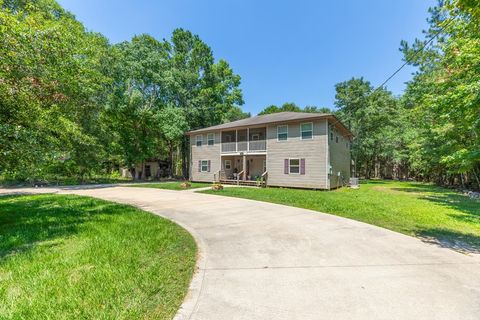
{"x": 204, "y": 165}
{"x": 307, "y": 130}
{"x": 199, "y": 140}
{"x": 211, "y": 139}
{"x": 282, "y": 132}
{"x": 294, "y": 166}
{"x": 264, "y": 165}
{"x": 228, "y": 164}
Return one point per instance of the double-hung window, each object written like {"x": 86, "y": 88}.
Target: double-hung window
{"x": 294, "y": 166}
{"x": 228, "y": 164}
{"x": 211, "y": 139}
{"x": 306, "y": 130}
{"x": 282, "y": 132}
{"x": 204, "y": 166}
{"x": 199, "y": 140}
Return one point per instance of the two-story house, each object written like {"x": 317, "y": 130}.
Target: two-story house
{"x": 287, "y": 149}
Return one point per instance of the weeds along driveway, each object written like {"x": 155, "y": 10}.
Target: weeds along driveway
{"x": 266, "y": 261}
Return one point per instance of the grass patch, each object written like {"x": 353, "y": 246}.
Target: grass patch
{"x": 173, "y": 185}
{"x": 71, "y": 257}
{"x": 433, "y": 213}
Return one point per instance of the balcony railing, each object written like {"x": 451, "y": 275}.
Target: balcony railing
{"x": 257, "y": 145}
{"x": 229, "y": 147}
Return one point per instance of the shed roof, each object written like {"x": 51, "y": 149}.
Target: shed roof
{"x": 273, "y": 118}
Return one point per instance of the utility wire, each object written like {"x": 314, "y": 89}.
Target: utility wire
{"x": 415, "y": 54}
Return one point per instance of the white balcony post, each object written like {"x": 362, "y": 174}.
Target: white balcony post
{"x": 236, "y": 140}
{"x": 248, "y": 139}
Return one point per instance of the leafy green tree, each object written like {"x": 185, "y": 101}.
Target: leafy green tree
{"x": 444, "y": 95}
{"x": 51, "y": 91}
{"x": 173, "y": 125}
{"x": 370, "y": 114}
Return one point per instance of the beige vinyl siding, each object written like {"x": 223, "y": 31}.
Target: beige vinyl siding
{"x": 205, "y": 152}
{"x": 312, "y": 150}
{"x": 339, "y": 159}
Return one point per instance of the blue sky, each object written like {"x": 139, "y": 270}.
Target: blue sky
{"x": 285, "y": 51}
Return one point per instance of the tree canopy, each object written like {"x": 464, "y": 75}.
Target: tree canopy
{"x": 72, "y": 104}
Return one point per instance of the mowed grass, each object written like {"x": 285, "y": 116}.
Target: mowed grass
{"x": 173, "y": 185}
{"x": 433, "y": 213}
{"x": 71, "y": 257}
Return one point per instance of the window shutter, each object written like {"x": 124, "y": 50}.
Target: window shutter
{"x": 302, "y": 166}
{"x": 199, "y": 165}
{"x": 285, "y": 166}
{"x": 208, "y": 166}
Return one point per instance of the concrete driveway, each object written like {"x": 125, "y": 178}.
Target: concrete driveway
{"x": 267, "y": 261}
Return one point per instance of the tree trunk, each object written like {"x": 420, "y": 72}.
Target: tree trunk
{"x": 170, "y": 157}
{"x": 476, "y": 178}
{"x": 185, "y": 157}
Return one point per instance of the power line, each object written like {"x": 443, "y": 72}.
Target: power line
{"x": 414, "y": 55}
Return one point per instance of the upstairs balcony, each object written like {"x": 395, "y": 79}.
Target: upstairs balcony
{"x": 244, "y": 140}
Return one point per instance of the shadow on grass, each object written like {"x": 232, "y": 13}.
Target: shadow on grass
{"x": 29, "y": 221}
{"x": 449, "y": 199}
{"x": 461, "y": 242}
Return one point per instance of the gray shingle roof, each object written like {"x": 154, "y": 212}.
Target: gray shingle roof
{"x": 264, "y": 119}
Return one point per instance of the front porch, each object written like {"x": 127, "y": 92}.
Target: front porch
{"x": 243, "y": 170}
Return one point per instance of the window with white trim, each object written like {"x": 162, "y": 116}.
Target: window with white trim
{"x": 264, "y": 165}
{"x": 306, "y": 130}
{"x": 336, "y": 139}
{"x": 228, "y": 164}
{"x": 204, "y": 165}
{"x": 331, "y": 135}
{"x": 211, "y": 139}
{"x": 282, "y": 132}
{"x": 255, "y": 137}
{"x": 199, "y": 140}
{"x": 294, "y": 166}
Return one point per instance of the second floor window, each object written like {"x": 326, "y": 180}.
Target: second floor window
{"x": 211, "y": 139}
{"x": 199, "y": 140}
{"x": 307, "y": 130}
{"x": 282, "y": 133}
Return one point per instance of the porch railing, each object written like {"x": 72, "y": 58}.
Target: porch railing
{"x": 239, "y": 176}
{"x": 257, "y": 145}
{"x": 242, "y": 146}
{"x": 264, "y": 178}
{"x": 229, "y": 146}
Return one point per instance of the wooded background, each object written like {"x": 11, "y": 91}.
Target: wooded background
{"x": 74, "y": 105}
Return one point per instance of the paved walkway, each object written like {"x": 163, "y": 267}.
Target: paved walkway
{"x": 267, "y": 261}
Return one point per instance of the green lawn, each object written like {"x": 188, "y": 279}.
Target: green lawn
{"x": 174, "y": 185}
{"x": 433, "y": 213}
{"x": 71, "y": 257}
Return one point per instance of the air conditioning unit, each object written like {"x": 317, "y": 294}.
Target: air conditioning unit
{"x": 354, "y": 183}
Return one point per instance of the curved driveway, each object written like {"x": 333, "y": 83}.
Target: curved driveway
{"x": 265, "y": 261}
